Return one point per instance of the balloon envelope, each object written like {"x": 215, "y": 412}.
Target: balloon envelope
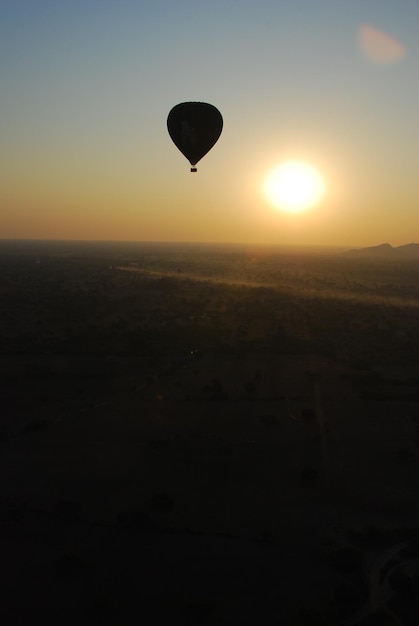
{"x": 194, "y": 128}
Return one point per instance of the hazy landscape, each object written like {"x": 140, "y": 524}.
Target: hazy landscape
{"x": 209, "y": 434}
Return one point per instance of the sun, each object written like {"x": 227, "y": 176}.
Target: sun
{"x": 294, "y": 187}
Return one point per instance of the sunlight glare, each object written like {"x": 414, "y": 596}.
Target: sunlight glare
{"x": 294, "y": 187}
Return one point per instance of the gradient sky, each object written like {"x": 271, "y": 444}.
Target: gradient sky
{"x": 86, "y": 87}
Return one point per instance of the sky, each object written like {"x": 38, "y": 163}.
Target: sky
{"x": 87, "y": 85}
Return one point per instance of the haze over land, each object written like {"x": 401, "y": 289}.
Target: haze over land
{"x": 227, "y": 432}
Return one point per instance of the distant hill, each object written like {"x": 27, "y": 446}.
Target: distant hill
{"x": 386, "y": 251}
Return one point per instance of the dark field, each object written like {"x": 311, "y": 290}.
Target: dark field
{"x": 208, "y": 435}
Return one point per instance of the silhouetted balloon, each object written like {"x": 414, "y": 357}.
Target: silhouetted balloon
{"x": 194, "y": 128}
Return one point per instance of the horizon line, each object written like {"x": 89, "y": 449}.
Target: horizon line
{"x": 191, "y": 242}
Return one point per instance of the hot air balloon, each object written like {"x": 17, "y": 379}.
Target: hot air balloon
{"x": 194, "y": 128}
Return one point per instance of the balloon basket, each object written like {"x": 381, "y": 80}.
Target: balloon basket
{"x": 194, "y": 169}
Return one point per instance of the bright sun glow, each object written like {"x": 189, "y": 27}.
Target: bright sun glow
{"x": 294, "y": 187}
